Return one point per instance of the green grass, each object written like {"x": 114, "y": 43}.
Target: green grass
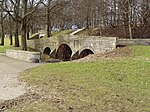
{"x": 116, "y": 85}
{"x": 4, "y": 48}
{"x": 8, "y": 46}
{"x": 33, "y": 35}
{"x": 141, "y": 51}
{"x": 61, "y": 33}
{"x": 55, "y": 35}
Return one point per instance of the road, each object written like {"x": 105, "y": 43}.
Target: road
{"x": 10, "y": 86}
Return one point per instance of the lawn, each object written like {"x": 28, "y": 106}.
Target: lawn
{"x": 8, "y": 46}
{"x": 116, "y": 85}
{"x": 62, "y": 33}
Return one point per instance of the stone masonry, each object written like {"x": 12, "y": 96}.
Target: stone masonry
{"x": 23, "y": 55}
{"x": 96, "y": 44}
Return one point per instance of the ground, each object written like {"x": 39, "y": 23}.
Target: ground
{"x": 117, "y": 81}
{"x": 10, "y": 87}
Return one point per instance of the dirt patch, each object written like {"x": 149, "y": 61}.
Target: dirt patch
{"x": 34, "y": 95}
{"x": 117, "y": 53}
{"x": 27, "y": 97}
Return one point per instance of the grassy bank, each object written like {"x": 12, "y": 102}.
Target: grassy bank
{"x": 62, "y": 33}
{"x": 116, "y": 85}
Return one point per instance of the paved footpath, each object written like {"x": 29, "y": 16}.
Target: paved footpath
{"x": 10, "y": 87}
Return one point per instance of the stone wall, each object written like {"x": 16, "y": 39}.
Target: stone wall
{"x": 42, "y": 43}
{"x": 23, "y": 55}
{"x": 133, "y": 42}
{"x": 99, "y": 44}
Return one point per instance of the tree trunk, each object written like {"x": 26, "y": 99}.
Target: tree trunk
{"x": 48, "y": 27}
{"x": 28, "y": 32}
{"x": 3, "y": 35}
{"x": 10, "y": 31}
{"x": 87, "y": 22}
{"x": 11, "y": 39}
{"x": 24, "y": 26}
{"x": 130, "y": 20}
{"x": 48, "y": 19}
{"x": 16, "y": 34}
{"x": 130, "y": 31}
{"x": 17, "y": 24}
{"x": 2, "y": 30}
{"x": 23, "y": 34}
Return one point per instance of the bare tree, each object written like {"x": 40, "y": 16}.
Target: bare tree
{"x": 52, "y": 8}
{"x": 2, "y": 17}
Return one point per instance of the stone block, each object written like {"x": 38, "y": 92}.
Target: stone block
{"x": 24, "y": 55}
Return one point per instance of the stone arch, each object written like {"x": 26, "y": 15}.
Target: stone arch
{"x": 47, "y": 51}
{"x": 53, "y": 54}
{"x": 75, "y": 56}
{"x": 64, "y": 52}
{"x": 85, "y": 53}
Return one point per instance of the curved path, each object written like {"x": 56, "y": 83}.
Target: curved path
{"x": 10, "y": 87}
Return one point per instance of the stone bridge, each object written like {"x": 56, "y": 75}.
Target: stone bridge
{"x": 73, "y": 47}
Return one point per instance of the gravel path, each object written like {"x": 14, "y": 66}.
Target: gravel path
{"x": 10, "y": 87}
